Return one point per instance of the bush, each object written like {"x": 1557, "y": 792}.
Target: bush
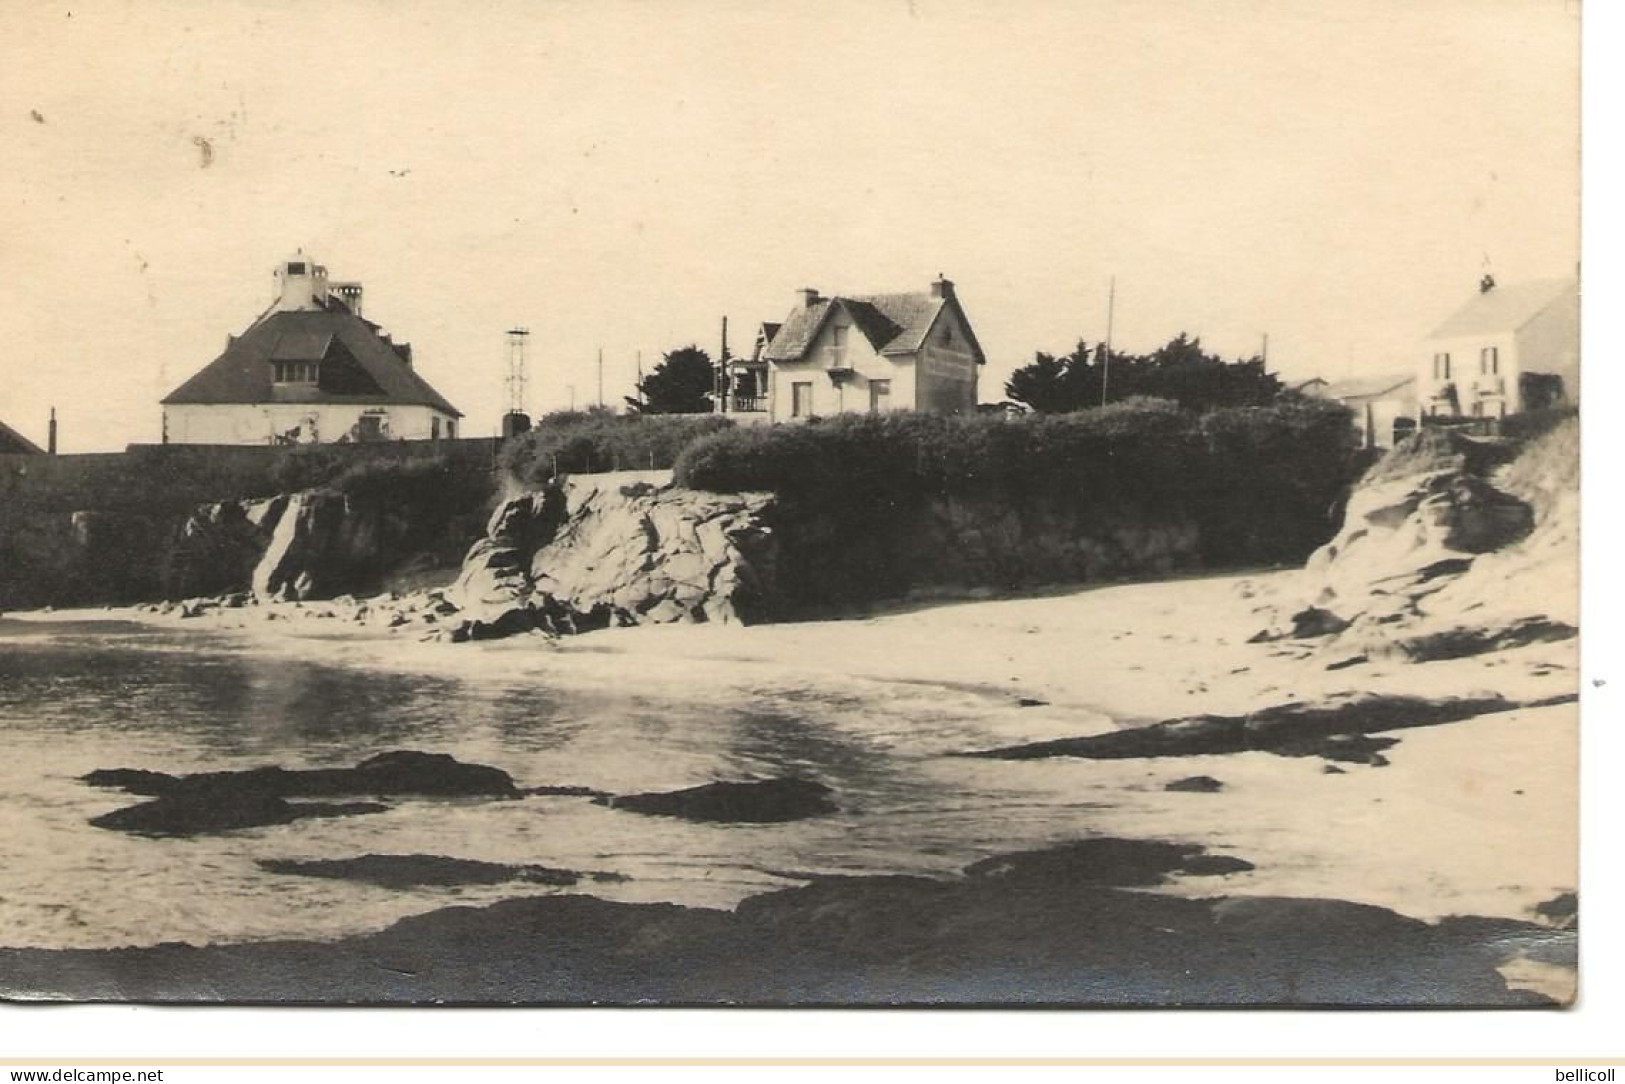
{"x": 1264, "y": 483}
{"x": 1135, "y": 450}
{"x": 577, "y": 442}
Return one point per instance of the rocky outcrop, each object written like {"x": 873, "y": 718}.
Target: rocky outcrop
{"x": 203, "y": 802}
{"x": 617, "y": 549}
{"x": 1431, "y": 541}
{"x": 219, "y": 546}
{"x": 198, "y": 814}
{"x": 309, "y": 545}
{"x": 329, "y": 543}
{"x": 402, "y": 772}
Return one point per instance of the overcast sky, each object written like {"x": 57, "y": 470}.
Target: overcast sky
{"x": 1336, "y": 174}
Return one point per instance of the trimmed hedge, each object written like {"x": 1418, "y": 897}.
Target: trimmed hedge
{"x": 591, "y": 442}
{"x": 1264, "y": 483}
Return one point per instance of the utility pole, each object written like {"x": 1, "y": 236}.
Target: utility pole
{"x": 1111, "y": 311}
{"x": 722, "y": 370}
{"x": 600, "y": 376}
{"x": 1264, "y": 352}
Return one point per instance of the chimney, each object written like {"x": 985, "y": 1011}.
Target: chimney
{"x": 942, "y": 287}
{"x": 349, "y": 293}
{"x": 50, "y": 441}
{"x": 809, "y": 297}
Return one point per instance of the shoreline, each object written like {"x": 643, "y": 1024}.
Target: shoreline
{"x": 1072, "y": 662}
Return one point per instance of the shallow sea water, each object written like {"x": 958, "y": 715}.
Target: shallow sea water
{"x": 79, "y": 696}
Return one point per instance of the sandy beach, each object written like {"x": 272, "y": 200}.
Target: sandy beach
{"x": 1470, "y": 818}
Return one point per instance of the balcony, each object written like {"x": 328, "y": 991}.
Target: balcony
{"x": 1490, "y": 385}
{"x": 747, "y": 404}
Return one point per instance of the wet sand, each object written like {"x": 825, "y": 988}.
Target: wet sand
{"x": 1476, "y": 817}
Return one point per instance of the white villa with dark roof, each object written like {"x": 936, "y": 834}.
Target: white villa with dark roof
{"x": 1510, "y": 349}
{"x": 309, "y": 370}
{"x": 859, "y": 354}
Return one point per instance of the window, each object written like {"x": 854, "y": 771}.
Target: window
{"x": 296, "y": 372}
{"x": 293, "y": 269}
{"x": 947, "y": 335}
{"x": 879, "y": 396}
{"x": 451, "y": 429}
{"x": 1441, "y": 366}
{"x": 837, "y": 347}
{"x": 434, "y": 427}
{"x": 1489, "y": 360}
{"x": 801, "y": 399}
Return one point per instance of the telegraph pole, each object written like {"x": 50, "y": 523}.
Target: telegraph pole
{"x": 600, "y": 376}
{"x": 1111, "y": 310}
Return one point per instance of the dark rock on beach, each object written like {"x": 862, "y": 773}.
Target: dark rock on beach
{"x": 1065, "y": 925}
{"x": 771, "y": 801}
{"x": 421, "y": 870}
{"x": 197, "y": 814}
{"x": 223, "y": 801}
{"x": 404, "y": 772}
{"x": 1295, "y": 729}
{"x": 1104, "y": 861}
{"x": 1196, "y": 784}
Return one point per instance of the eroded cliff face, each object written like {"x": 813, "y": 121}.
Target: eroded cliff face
{"x": 303, "y": 546}
{"x": 631, "y": 549}
{"x": 1445, "y": 553}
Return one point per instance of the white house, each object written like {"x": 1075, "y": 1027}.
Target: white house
{"x": 1508, "y": 350}
{"x": 859, "y": 354}
{"x": 309, "y": 370}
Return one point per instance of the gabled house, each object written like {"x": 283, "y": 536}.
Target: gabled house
{"x": 1510, "y": 349}
{"x": 309, "y": 370}
{"x": 858, "y": 354}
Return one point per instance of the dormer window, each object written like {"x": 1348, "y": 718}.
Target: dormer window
{"x": 296, "y": 372}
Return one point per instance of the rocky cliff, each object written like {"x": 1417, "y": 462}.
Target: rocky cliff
{"x": 618, "y": 549}
{"x": 1449, "y": 550}
{"x": 314, "y": 544}
{"x": 631, "y": 548}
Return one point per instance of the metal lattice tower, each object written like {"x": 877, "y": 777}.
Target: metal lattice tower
{"x": 516, "y": 369}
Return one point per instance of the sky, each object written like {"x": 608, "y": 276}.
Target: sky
{"x": 1336, "y": 175}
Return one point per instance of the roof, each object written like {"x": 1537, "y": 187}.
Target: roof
{"x": 1504, "y": 308}
{"x": 369, "y": 369}
{"x": 1380, "y": 386}
{"x": 893, "y": 323}
{"x": 13, "y": 442}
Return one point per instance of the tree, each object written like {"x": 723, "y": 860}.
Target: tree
{"x": 1180, "y": 370}
{"x": 682, "y": 383}
{"x": 1045, "y": 386}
